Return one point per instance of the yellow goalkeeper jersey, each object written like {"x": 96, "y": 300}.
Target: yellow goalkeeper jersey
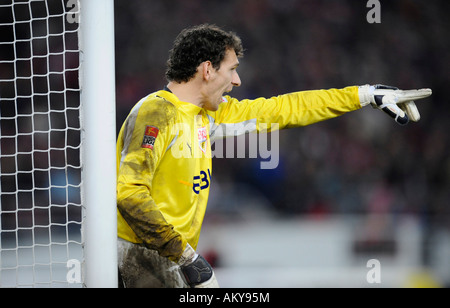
{"x": 164, "y": 157}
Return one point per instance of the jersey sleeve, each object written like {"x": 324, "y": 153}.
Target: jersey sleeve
{"x": 142, "y": 142}
{"x": 285, "y": 111}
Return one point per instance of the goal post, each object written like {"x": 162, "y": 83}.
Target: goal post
{"x": 98, "y": 141}
{"x": 57, "y": 144}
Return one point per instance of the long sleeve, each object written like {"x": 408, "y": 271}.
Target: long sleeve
{"x": 288, "y": 110}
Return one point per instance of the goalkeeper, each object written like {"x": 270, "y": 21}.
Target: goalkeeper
{"x": 164, "y": 166}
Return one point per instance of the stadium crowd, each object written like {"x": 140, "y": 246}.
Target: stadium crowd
{"x": 360, "y": 163}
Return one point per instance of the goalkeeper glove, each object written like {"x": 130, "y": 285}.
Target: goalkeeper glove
{"x": 399, "y": 104}
{"x": 196, "y": 271}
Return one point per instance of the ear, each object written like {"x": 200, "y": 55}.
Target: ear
{"x": 207, "y": 69}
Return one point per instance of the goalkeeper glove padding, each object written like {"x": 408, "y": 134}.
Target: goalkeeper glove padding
{"x": 196, "y": 271}
{"x": 399, "y": 104}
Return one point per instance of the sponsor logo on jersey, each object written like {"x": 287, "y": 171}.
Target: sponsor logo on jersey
{"x": 151, "y": 132}
{"x": 201, "y": 181}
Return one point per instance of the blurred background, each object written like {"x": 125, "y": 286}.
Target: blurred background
{"x": 347, "y": 190}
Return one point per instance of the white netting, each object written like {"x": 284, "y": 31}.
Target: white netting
{"x": 40, "y": 168}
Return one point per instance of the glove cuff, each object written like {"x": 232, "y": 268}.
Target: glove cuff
{"x": 189, "y": 255}
{"x": 365, "y": 93}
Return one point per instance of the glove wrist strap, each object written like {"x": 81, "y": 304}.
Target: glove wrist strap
{"x": 365, "y": 93}
{"x": 189, "y": 255}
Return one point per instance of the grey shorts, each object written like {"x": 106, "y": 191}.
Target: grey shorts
{"x": 140, "y": 267}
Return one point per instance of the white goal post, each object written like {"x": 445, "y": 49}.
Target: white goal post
{"x": 99, "y": 141}
{"x": 57, "y": 144}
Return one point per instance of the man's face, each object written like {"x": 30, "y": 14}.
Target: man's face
{"x": 222, "y": 80}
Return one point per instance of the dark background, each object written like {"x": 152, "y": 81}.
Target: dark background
{"x": 359, "y": 163}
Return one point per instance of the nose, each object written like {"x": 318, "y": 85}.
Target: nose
{"x": 236, "y": 81}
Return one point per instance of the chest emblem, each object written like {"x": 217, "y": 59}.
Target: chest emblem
{"x": 202, "y": 138}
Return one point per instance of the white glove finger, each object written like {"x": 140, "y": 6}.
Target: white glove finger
{"x": 411, "y": 95}
{"x": 411, "y": 110}
{"x": 395, "y": 112}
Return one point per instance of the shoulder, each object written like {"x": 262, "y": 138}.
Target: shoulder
{"x": 155, "y": 109}
{"x": 156, "y": 106}
{"x": 150, "y": 111}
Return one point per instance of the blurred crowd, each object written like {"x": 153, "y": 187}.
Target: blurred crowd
{"x": 362, "y": 162}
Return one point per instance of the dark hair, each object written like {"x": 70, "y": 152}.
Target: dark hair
{"x": 196, "y": 45}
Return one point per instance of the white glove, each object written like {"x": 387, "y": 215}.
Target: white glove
{"x": 196, "y": 271}
{"x": 399, "y": 104}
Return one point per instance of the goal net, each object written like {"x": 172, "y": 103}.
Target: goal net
{"x": 42, "y": 211}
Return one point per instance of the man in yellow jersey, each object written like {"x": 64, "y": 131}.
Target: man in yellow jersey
{"x": 164, "y": 151}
